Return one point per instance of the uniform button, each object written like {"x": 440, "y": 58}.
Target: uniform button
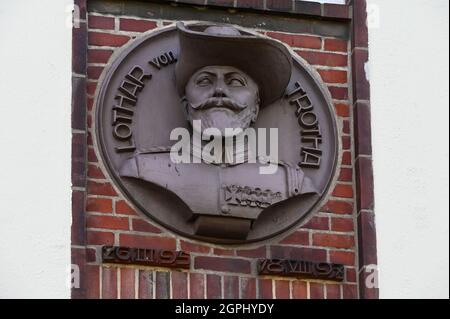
{"x": 225, "y": 209}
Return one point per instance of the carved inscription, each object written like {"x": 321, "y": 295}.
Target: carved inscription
{"x": 147, "y": 257}
{"x": 301, "y": 269}
{"x": 311, "y": 154}
{"x": 163, "y": 60}
{"x": 127, "y": 98}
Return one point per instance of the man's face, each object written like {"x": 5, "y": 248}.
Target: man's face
{"x": 222, "y": 97}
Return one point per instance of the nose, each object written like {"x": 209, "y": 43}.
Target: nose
{"x": 219, "y": 92}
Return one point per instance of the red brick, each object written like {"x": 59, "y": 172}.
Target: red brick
{"x": 360, "y": 32}
{"x": 145, "y": 284}
{"x": 92, "y": 281}
{"x": 196, "y": 2}
{"x": 338, "y": 93}
{"x": 223, "y": 252}
{"x": 91, "y": 86}
{"x": 364, "y": 183}
{"x": 222, "y": 264}
{"x": 248, "y": 288}
{"x": 299, "y": 41}
{"x": 227, "y": 3}
{"x": 282, "y": 5}
{"x": 144, "y": 226}
{"x": 78, "y": 234}
{"x": 107, "y": 222}
{"x": 301, "y": 253}
{"x": 324, "y": 59}
{"x": 346, "y": 142}
{"x": 196, "y": 248}
{"x": 346, "y": 158}
{"x": 319, "y": 223}
{"x": 107, "y": 39}
{"x": 333, "y": 240}
{"x": 342, "y": 109}
{"x": 299, "y": 290}
{"x": 297, "y": 238}
{"x": 361, "y": 85}
{"x": 95, "y": 172}
{"x": 335, "y": 45}
{"x": 136, "y": 25}
{"x": 333, "y": 291}
{"x": 346, "y": 175}
{"x": 179, "y": 285}
{"x": 90, "y": 103}
{"x": 123, "y": 208}
{"x": 282, "y": 289}
{"x": 367, "y": 291}
{"x": 265, "y": 289}
{"x": 94, "y": 72}
{"x": 338, "y": 11}
{"x": 162, "y": 285}
{"x": 197, "y": 286}
{"x": 92, "y": 157}
{"x": 98, "y": 22}
{"x": 231, "y": 287}
{"x": 311, "y": 8}
{"x": 333, "y": 76}
{"x": 147, "y": 242}
{"x": 338, "y": 207}
{"x": 350, "y": 292}
{"x": 253, "y": 253}
{"x": 98, "y": 188}
{"x": 253, "y": 4}
{"x": 109, "y": 283}
{"x": 343, "y": 190}
{"x": 316, "y": 290}
{"x": 127, "y": 283}
{"x": 213, "y": 287}
{"x": 346, "y": 127}
{"x": 89, "y": 121}
{"x": 100, "y": 205}
{"x": 100, "y": 238}
{"x": 363, "y": 129}
{"x": 91, "y": 255}
{"x": 99, "y": 56}
{"x": 367, "y": 239}
{"x": 342, "y": 257}
{"x": 90, "y": 141}
{"x": 350, "y": 274}
{"x": 342, "y": 224}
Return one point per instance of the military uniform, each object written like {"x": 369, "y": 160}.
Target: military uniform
{"x": 236, "y": 194}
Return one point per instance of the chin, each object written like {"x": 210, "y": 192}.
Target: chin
{"x": 221, "y": 119}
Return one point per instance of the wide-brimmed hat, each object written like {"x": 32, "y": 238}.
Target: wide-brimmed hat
{"x": 266, "y": 61}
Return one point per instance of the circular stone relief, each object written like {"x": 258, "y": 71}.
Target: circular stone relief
{"x": 145, "y": 93}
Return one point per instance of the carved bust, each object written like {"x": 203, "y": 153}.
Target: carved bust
{"x": 224, "y": 92}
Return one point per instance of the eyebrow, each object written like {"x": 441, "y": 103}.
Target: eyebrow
{"x": 234, "y": 73}
{"x": 206, "y": 73}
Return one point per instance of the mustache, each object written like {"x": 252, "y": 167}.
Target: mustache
{"x": 219, "y": 102}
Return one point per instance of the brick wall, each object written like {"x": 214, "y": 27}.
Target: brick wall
{"x": 103, "y": 217}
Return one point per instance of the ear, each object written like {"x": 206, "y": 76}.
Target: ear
{"x": 256, "y": 111}
{"x": 185, "y": 105}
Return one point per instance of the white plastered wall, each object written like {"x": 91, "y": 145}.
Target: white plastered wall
{"x": 409, "y": 73}
{"x": 35, "y": 139}
{"x": 409, "y": 78}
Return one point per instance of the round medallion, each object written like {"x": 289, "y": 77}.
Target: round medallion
{"x": 168, "y": 81}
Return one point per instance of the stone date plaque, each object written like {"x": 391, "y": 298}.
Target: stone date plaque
{"x": 198, "y": 76}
